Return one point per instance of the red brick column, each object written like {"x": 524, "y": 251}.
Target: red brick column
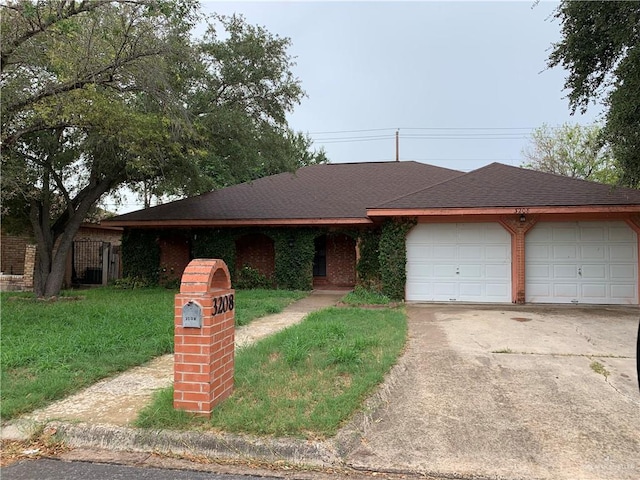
{"x": 204, "y": 354}
{"x": 518, "y": 227}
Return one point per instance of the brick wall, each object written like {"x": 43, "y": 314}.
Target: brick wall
{"x": 13, "y": 250}
{"x": 258, "y": 252}
{"x": 100, "y": 234}
{"x": 341, "y": 260}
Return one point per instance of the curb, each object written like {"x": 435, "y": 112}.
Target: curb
{"x": 226, "y": 446}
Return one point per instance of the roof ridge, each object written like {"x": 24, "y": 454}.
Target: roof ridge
{"x": 462, "y": 174}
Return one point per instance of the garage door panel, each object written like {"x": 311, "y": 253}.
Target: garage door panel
{"x": 538, "y": 290}
{"x": 463, "y": 257}
{"x": 445, "y": 271}
{"x": 565, "y": 290}
{"x": 600, "y": 266}
{"x": 497, "y": 252}
{"x": 621, "y": 272}
{"x": 565, "y": 271}
{"x": 594, "y": 272}
{"x": 563, "y": 234}
{"x": 588, "y": 252}
{"x": 563, "y": 252}
{"x": 469, "y": 290}
{"x": 538, "y": 252}
{"x": 621, "y": 233}
{"x": 443, "y": 252}
{"x": 622, "y": 291}
{"x": 592, "y": 234}
{"x": 471, "y": 272}
{"x": 445, "y": 290}
{"x": 497, "y": 271}
{"x": 622, "y": 253}
{"x": 594, "y": 292}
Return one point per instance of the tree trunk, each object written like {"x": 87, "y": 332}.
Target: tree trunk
{"x": 53, "y": 249}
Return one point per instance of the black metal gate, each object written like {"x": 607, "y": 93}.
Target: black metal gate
{"x": 88, "y": 262}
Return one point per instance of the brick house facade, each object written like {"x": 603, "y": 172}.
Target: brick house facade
{"x": 495, "y": 234}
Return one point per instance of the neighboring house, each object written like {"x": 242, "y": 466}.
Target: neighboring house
{"x": 94, "y": 248}
{"x": 496, "y": 234}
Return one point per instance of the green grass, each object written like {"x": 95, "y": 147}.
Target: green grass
{"x": 362, "y": 296}
{"x": 258, "y": 303}
{"x": 304, "y": 381}
{"x": 52, "y": 349}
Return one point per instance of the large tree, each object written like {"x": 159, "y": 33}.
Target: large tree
{"x": 600, "y": 48}
{"x": 573, "y": 151}
{"x": 100, "y": 94}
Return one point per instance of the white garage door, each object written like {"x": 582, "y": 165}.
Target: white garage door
{"x": 582, "y": 262}
{"x": 468, "y": 262}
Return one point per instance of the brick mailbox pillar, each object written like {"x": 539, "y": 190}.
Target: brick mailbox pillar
{"x": 204, "y": 337}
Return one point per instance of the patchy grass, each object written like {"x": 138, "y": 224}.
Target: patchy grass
{"x": 257, "y": 303}
{"x": 52, "y": 349}
{"x": 361, "y": 296}
{"x": 503, "y": 350}
{"x": 599, "y": 368}
{"x": 304, "y": 381}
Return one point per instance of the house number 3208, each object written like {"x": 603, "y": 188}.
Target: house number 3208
{"x": 223, "y": 304}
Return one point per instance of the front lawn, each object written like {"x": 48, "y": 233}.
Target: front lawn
{"x": 52, "y": 349}
{"x": 304, "y": 381}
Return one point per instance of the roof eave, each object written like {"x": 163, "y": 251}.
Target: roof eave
{"x": 418, "y": 212}
{"x": 271, "y": 222}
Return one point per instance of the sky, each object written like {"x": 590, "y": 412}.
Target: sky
{"x": 463, "y": 83}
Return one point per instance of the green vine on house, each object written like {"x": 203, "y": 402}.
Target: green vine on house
{"x": 368, "y": 266}
{"x": 393, "y": 257}
{"x": 141, "y": 256}
{"x": 217, "y": 243}
{"x": 295, "y": 250}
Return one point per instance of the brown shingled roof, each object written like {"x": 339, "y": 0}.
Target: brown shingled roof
{"x": 330, "y": 191}
{"x": 498, "y": 185}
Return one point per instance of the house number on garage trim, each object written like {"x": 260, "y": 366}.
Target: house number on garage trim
{"x": 522, "y": 211}
{"x": 223, "y": 304}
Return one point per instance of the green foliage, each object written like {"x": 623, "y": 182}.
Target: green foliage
{"x": 573, "y": 151}
{"x": 258, "y": 303}
{"x": 140, "y": 257}
{"x": 294, "y": 257}
{"x": 216, "y": 243}
{"x": 305, "y": 381}
{"x": 393, "y": 257}
{"x": 100, "y": 95}
{"x": 368, "y": 266}
{"x": 600, "y": 48}
{"x": 249, "y": 278}
{"x": 363, "y": 296}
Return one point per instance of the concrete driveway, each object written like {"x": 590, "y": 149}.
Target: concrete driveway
{"x": 511, "y": 392}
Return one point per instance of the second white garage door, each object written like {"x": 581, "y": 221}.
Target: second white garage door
{"x": 582, "y": 262}
{"x": 468, "y": 262}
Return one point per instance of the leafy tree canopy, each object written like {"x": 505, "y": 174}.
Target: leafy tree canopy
{"x": 572, "y": 151}
{"x": 99, "y": 94}
{"x": 600, "y": 48}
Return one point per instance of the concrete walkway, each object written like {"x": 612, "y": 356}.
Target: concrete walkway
{"x": 116, "y": 401}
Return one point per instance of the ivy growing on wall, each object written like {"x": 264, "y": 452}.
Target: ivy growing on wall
{"x": 141, "y": 256}
{"x": 393, "y": 257}
{"x": 216, "y": 243}
{"x": 294, "y": 257}
{"x": 368, "y": 266}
